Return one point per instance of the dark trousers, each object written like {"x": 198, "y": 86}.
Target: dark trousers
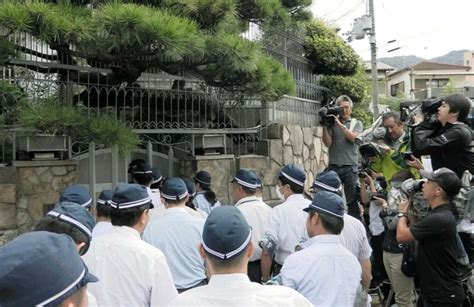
{"x": 378, "y": 269}
{"x": 348, "y": 176}
{"x": 254, "y": 272}
{"x": 423, "y": 302}
{"x": 202, "y": 283}
{"x": 467, "y": 240}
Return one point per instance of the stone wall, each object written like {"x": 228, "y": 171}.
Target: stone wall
{"x": 304, "y": 146}
{"x": 33, "y": 188}
{"x": 8, "y": 210}
{"x": 285, "y": 144}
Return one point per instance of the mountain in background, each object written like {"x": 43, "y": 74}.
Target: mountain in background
{"x": 399, "y": 62}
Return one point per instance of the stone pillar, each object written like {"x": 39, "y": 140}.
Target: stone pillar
{"x": 39, "y": 186}
{"x": 8, "y": 199}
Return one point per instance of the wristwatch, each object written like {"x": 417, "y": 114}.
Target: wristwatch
{"x": 402, "y": 214}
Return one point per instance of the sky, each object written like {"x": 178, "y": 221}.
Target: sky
{"x": 425, "y": 28}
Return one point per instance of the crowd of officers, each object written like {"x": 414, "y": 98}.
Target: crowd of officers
{"x": 170, "y": 242}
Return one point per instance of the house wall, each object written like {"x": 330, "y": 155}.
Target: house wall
{"x": 402, "y": 77}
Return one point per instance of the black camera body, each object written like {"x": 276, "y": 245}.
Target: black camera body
{"x": 369, "y": 150}
{"x": 428, "y": 107}
{"x": 325, "y": 113}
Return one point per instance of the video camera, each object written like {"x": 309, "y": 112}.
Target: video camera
{"x": 428, "y": 108}
{"x": 324, "y": 113}
{"x": 369, "y": 150}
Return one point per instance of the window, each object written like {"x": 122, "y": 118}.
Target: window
{"x": 397, "y": 88}
{"x": 425, "y": 83}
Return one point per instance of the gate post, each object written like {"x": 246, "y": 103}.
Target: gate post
{"x": 92, "y": 170}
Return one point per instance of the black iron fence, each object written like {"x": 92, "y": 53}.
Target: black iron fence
{"x": 186, "y": 111}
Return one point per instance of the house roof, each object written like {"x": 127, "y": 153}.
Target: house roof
{"x": 429, "y": 65}
{"x": 380, "y": 66}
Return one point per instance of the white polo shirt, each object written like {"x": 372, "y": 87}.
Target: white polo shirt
{"x": 256, "y": 213}
{"x": 287, "y": 225}
{"x": 178, "y": 234}
{"x": 131, "y": 272}
{"x": 237, "y": 290}
{"x": 325, "y": 272}
{"x": 100, "y": 228}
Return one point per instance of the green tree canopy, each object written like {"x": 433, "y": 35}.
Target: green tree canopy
{"x": 355, "y": 86}
{"x": 330, "y": 54}
{"x": 197, "y": 38}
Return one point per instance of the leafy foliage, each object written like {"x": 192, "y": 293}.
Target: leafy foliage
{"x": 329, "y": 53}
{"x": 362, "y": 113}
{"x": 356, "y": 86}
{"x": 191, "y": 37}
{"x": 53, "y": 117}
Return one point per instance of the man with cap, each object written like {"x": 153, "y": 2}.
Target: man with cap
{"x": 75, "y": 221}
{"x": 227, "y": 247}
{"x": 131, "y": 271}
{"x": 438, "y": 243}
{"x": 286, "y": 222}
{"x": 131, "y": 166}
{"x": 255, "y": 211}
{"x": 78, "y": 195}
{"x": 143, "y": 174}
{"x": 205, "y": 198}
{"x": 43, "y": 269}
{"x": 177, "y": 234}
{"x": 325, "y": 272}
{"x": 191, "y": 186}
{"x": 70, "y": 219}
{"x": 102, "y": 213}
{"x": 353, "y": 235}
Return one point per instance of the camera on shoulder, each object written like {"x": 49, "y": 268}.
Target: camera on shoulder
{"x": 325, "y": 113}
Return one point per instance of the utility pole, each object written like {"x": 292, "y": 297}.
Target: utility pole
{"x": 373, "y": 61}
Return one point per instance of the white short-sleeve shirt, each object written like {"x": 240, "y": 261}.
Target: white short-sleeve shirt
{"x": 287, "y": 225}
{"x": 131, "y": 272}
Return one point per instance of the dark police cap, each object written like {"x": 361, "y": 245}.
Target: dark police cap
{"x": 191, "y": 187}
{"x": 76, "y": 194}
{"x": 226, "y": 233}
{"x": 130, "y": 195}
{"x": 132, "y": 165}
{"x": 247, "y": 179}
{"x": 328, "y": 181}
{"x": 41, "y": 268}
{"x": 294, "y": 174}
{"x": 105, "y": 196}
{"x": 75, "y": 215}
{"x": 174, "y": 188}
{"x": 203, "y": 177}
{"x": 157, "y": 176}
{"x": 327, "y": 203}
{"x": 142, "y": 169}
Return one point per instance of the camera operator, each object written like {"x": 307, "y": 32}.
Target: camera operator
{"x": 448, "y": 141}
{"x": 343, "y": 154}
{"x": 436, "y": 259}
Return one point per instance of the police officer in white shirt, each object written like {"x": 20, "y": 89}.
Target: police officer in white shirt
{"x": 178, "y": 234}
{"x": 43, "y": 268}
{"x": 205, "y": 198}
{"x": 131, "y": 271}
{"x": 227, "y": 247}
{"x": 143, "y": 175}
{"x": 77, "y": 194}
{"x": 255, "y": 212}
{"x": 325, "y": 272}
{"x": 102, "y": 213}
{"x": 353, "y": 236}
{"x": 286, "y": 222}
